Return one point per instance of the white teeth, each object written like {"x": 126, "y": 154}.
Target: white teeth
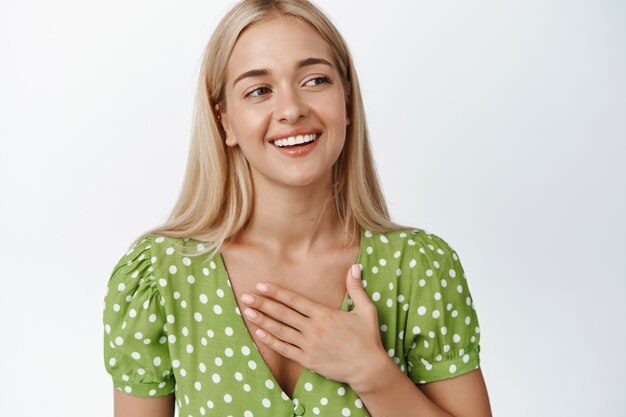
{"x": 294, "y": 140}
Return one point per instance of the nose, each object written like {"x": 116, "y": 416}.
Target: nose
{"x": 290, "y": 106}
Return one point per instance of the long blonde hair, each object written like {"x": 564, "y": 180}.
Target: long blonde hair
{"x": 215, "y": 202}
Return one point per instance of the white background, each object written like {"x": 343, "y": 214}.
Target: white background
{"x": 500, "y": 126}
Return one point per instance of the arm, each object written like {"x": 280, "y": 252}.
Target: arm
{"x": 388, "y": 392}
{"x": 129, "y": 406}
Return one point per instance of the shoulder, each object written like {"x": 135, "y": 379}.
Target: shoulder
{"x": 404, "y": 243}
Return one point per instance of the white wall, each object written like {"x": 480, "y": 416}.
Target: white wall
{"x": 500, "y": 126}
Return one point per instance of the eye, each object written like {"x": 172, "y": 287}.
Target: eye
{"x": 258, "y": 92}
{"x": 319, "y": 80}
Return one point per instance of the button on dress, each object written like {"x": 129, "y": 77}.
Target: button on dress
{"x": 172, "y": 324}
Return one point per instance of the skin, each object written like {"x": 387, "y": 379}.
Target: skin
{"x": 294, "y": 316}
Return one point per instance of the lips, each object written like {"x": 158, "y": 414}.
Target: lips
{"x": 302, "y": 131}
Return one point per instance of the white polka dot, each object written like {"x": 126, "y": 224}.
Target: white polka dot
{"x": 429, "y": 272}
{"x": 238, "y": 376}
{"x": 112, "y": 362}
{"x": 119, "y": 341}
{"x": 452, "y": 273}
{"x": 170, "y": 318}
{"x": 308, "y": 386}
{"x": 269, "y": 384}
{"x": 156, "y": 361}
{"x": 169, "y": 250}
{"x": 436, "y": 314}
{"x": 185, "y": 331}
{"x": 135, "y": 355}
{"x": 217, "y": 309}
{"x": 266, "y": 403}
{"x": 228, "y": 352}
{"x": 186, "y": 261}
{"x": 368, "y": 233}
{"x": 252, "y": 364}
{"x": 421, "y": 310}
{"x": 444, "y": 330}
{"x": 121, "y": 287}
{"x": 210, "y": 333}
{"x": 245, "y": 350}
{"x": 197, "y": 316}
{"x": 422, "y": 282}
{"x": 183, "y": 304}
{"x": 376, "y": 296}
{"x": 396, "y": 254}
{"x": 189, "y": 348}
{"x": 452, "y": 369}
{"x": 212, "y": 265}
{"x": 341, "y": 391}
{"x": 152, "y": 392}
{"x": 358, "y": 403}
{"x": 431, "y": 334}
{"x": 176, "y": 295}
{"x": 132, "y": 312}
{"x": 228, "y": 331}
{"x": 369, "y": 250}
{"x": 248, "y": 413}
{"x": 128, "y": 389}
{"x": 345, "y": 412}
{"x": 389, "y": 302}
{"x": 412, "y": 263}
{"x": 375, "y": 270}
{"x": 468, "y": 320}
{"x": 162, "y": 282}
{"x": 175, "y": 363}
{"x": 454, "y": 313}
{"x": 228, "y": 398}
{"x": 172, "y": 269}
{"x": 152, "y": 318}
{"x": 191, "y": 279}
{"x": 465, "y": 358}
{"x": 202, "y": 367}
{"x": 197, "y": 385}
{"x": 204, "y": 299}
{"x": 456, "y": 338}
{"x": 218, "y": 361}
{"x": 216, "y": 378}
{"x": 459, "y": 288}
{"x": 210, "y": 404}
{"x": 324, "y": 401}
{"x": 382, "y": 262}
{"x": 444, "y": 283}
{"x": 205, "y": 271}
{"x": 220, "y": 292}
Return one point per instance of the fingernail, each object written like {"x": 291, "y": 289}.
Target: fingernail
{"x": 356, "y": 271}
{"x": 248, "y": 299}
{"x": 250, "y": 313}
{"x": 262, "y": 287}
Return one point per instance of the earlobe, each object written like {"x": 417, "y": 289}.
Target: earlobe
{"x": 223, "y": 120}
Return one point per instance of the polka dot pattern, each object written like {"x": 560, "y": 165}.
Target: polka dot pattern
{"x": 171, "y": 324}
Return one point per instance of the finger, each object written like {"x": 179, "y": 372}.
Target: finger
{"x": 354, "y": 285}
{"x": 275, "y": 309}
{"x": 277, "y": 329}
{"x": 291, "y": 299}
{"x": 285, "y": 349}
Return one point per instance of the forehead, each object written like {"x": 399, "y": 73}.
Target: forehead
{"x": 276, "y": 42}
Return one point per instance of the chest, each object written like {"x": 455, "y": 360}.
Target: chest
{"x": 320, "y": 279}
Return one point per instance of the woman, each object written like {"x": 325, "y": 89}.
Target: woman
{"x": 279, "y": 286}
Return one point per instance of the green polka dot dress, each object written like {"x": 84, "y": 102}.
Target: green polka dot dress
{"x": 171, "y": 324}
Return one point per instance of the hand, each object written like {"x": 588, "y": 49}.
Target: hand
{"x": 336, "y": 344}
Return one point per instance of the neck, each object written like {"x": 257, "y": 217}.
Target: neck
{"x": 294, "y": 220}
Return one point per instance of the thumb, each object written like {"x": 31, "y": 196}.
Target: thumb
{"x": 354, "y": 284}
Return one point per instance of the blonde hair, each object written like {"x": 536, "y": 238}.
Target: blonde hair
{"x": 215, "y": 202}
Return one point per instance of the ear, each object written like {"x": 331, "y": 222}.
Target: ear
{"x": 223, "y": 119}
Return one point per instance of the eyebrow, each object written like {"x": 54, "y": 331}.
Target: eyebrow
{"x": 263, "y": 72}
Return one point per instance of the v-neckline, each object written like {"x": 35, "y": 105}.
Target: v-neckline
{"x": 344, "y": 307}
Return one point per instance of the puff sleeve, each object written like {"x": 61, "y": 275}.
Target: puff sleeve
{"x": 135, "y": 340}
{"x": 442, "y": 331}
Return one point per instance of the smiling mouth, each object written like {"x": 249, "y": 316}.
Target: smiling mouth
{"x": 295, "y": 141}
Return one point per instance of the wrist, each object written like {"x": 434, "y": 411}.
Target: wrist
{"x": 375, "y": 374}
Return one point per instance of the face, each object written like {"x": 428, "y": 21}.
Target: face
{"x": 282, "y": 83}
